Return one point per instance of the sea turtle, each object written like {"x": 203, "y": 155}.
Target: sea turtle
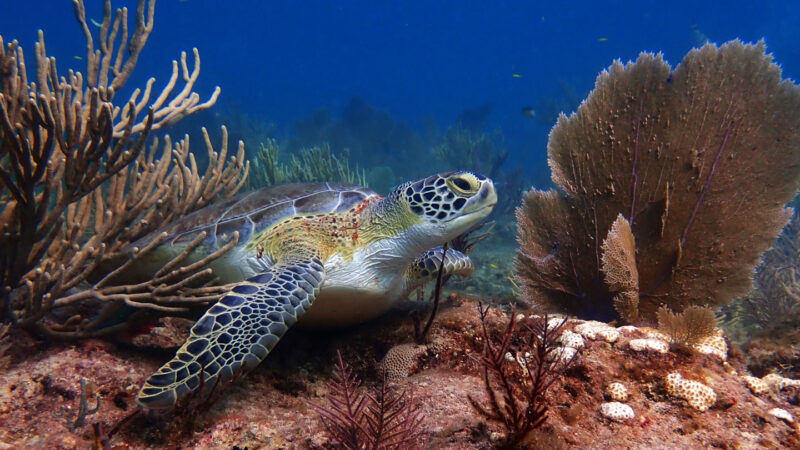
{"x": 334, "y": 254}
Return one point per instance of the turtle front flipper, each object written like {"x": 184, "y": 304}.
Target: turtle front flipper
{"x": 237, "y": 332}
{"x": 426, "y": 266}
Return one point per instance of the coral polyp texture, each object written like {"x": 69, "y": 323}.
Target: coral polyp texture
{"x": 698, "y": 160}
{"x": 698, "y": 395}
{"x": 617, "y": 392}
{"x": 778, "y": 383}
{"x": 713, "y": 345}
{"x": 649, "y": 344}
{"x": 597, "y": 331}
{"x": 616, "y": 411}
{"x": 400, "y": 360}
{"x": 756, "y": 385}
{"x": 570, "y": 339}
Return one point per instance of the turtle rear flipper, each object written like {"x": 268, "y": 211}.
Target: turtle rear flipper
{"x": 237, "y": 332}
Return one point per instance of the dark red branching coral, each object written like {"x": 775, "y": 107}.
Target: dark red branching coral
{"x": 700, "y": 161}
{"x": 516, "y": 387}
{"x": 381, "y": 419}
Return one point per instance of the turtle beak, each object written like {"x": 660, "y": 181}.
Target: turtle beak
{"x": 483, "y": 202}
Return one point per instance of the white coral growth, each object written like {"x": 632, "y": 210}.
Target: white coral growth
{"x": 617, "y": 392}
{"x": 616, "y": 411}
{"x": 781, "y": 414}
{"x": 699, "y": 396}
{"x": 649, "y": 344}
{"x": 570, "y": 339}
{"x": 756, "y": 385}
{"x": 778, "y": 383}
{"x": 597, "y": 330}
{"x": 714, "y": 345}
{"x": 627, "y": 329}
{"x": 565, "y": 354}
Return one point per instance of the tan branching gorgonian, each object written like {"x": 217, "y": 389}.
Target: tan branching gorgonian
{"x": 79, "y": 185}
{"x": 689, "y": 327}
{"x": 701, "y": 161}
{"x": 619, "y": 268}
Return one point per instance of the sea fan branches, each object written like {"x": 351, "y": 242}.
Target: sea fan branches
{"x": 79, "y": 185}
{"x": 700, "y": 161}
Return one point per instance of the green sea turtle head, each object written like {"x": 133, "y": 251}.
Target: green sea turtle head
{"x": 442, "y": 206}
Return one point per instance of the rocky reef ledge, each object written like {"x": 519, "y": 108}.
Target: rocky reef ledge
{"x": 628, "y": 387}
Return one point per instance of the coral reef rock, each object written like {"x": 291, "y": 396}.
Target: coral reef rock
{"x": 756, "y": 385}
{"x": 400, "y": 360}
{"x": 40, "y": 393}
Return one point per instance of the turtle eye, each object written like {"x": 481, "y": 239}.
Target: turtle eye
{"x": 463, "y": 184}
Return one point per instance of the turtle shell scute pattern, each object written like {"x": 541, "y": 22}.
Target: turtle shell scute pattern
{"x": 252, "y": 212}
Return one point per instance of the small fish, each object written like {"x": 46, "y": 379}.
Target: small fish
{"x": 528, "y": 111}
{"x": 602, "y": 39}
{"x": 79, "y": 58}
{"x": 698, "y": 36}
{"x": 516, "y": 75}
{"x": 95, "y": 23}
{"x": 493, "y": 266}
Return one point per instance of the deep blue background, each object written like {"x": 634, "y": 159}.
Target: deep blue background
{"x": 415, "y": 59}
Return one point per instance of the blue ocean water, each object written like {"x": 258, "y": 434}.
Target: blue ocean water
{"x": 420, "y": 61}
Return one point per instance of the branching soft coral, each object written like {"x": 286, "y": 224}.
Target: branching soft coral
{"x": 381, "y": 419}
{"x": 518, "y": 369}
{"x": 700, "y": 161}
{"x": 79, "y": 185}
